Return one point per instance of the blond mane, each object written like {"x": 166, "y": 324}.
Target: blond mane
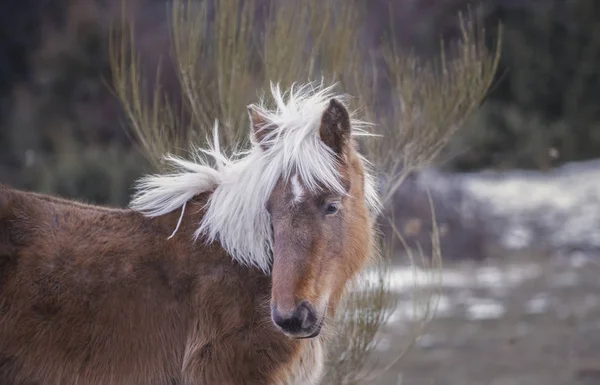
{"x": 242, "y": 183}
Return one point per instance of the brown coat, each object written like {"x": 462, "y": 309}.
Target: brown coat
{"x": 99, "y": 296}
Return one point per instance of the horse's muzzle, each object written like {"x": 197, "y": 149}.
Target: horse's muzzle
{"x": 303, "y": 322}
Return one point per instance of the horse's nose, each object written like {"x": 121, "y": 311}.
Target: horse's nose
{"x": 302, "y": 322}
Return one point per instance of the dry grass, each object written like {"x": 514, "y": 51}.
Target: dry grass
{"x": 430, "y": 101}
{"x": 223, "y": 60}
{"x": 152, "y": 118}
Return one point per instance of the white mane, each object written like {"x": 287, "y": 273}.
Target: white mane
{"x": 235, "y": 214}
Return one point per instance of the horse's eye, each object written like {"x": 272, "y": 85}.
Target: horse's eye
{"x": 332, "y": 208}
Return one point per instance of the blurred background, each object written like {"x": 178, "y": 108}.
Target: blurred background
{"x": 516, "y": 190}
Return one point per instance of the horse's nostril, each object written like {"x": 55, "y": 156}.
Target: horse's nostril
{"x": 302, "y": 320}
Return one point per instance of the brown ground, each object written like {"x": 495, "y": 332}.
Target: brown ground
{"x": 549, "y": 333}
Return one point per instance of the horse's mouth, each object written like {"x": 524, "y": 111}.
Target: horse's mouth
{"x": 315, "y": 333}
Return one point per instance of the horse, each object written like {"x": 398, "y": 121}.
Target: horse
{"x": 223, "y": 269}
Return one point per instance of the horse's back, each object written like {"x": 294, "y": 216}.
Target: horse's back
{"x": 25, "y": 214}
{"x": 8, "y": 198}
{"x": 79, "y": 284}
{"x": 7, "y": 247}
{"x": 38, "y": 229}
{"x": 9, "y": 201}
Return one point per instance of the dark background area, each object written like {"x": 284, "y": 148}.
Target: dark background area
{"x": 62, "y": 130}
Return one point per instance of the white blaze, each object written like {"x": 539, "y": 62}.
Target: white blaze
{"x": 297, "y": 189}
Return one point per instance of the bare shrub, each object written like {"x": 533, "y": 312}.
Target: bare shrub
{"x": 219, "y": 74}
{"x": 430, "y": 102}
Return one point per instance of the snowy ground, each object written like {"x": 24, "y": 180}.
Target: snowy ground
{"x": 559, "y": 209}
{"x": 517, "y": 322}
{"x": 530, "y": 317}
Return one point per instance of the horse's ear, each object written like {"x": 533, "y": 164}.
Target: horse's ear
{"x": 335, "y": 126}
{"x": 258, "y": 125}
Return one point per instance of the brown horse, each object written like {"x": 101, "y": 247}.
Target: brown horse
{"x": 219, "y": 273}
